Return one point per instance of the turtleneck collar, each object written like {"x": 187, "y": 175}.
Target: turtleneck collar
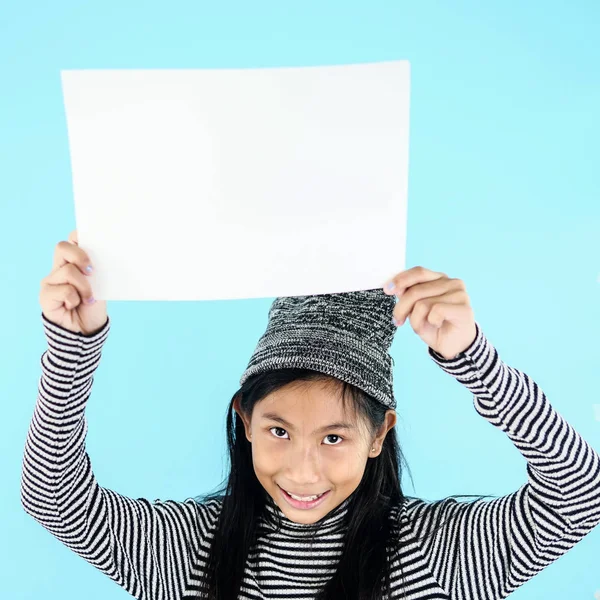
{"x": 334, "y": 521}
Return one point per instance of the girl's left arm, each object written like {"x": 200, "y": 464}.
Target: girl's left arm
{"x": 490, "y": 548}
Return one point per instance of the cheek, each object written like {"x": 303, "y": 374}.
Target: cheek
{"x": 266, "y": 457}
{"x": 346, "y": 466}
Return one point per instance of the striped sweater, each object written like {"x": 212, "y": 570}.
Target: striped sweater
{"x": 157, "y": 550}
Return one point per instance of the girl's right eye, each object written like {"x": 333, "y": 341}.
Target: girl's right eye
{"x": 278, "y": 429}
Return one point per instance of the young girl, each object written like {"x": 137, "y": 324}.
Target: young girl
{"x": 313, "y": 506}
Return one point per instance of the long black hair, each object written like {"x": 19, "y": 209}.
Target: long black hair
{"x": 363, "y": 569}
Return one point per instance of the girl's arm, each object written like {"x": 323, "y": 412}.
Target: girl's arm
{"x": 490, "y": 548}
{"x": 152, "y": 549}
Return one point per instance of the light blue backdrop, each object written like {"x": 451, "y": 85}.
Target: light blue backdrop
{"x": 504, "y": 193}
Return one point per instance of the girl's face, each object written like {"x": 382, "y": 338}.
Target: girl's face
{"x": 303, "y": 443}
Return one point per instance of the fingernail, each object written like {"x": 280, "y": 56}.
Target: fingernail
{"x": 389, "y": 286}
{"x": 89, "y": 268}
{"x": 90, "y": 300}
{"x": 395, "y": 321}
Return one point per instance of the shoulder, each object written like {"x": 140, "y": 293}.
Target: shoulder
{"x": 412, "y": 518}
{"x": 421, "y": 515}
{"x": 202, "y": 511}
{"x": 208, "y": 510}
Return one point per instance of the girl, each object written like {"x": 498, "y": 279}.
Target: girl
{"x": 313, "y": 505}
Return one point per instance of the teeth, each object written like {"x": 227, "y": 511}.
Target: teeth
{"x": 305, "y": 498}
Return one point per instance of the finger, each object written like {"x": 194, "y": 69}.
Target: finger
{"x": 69, "y": 252}
{"x": 419, "y": 317}
{"x": 73, "y": 237}
{"x": 432, "y": 312}
{"x": 70, "y": 274}
{"x": 431, "y": 290}
{"x": 452, "y": 312}
{"x": 428, "y": 314}
{"x": 412, "y": 276}
{"x": 55, "y": 296}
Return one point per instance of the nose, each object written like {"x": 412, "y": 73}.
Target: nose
{"x": 303, "y": 465}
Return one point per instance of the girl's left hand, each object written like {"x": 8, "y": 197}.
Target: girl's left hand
{"x": 438, "y": 308}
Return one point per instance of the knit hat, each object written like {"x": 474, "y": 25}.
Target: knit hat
{"x": 345, "y": 335}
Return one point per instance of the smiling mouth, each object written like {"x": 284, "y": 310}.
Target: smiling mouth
{"x": 304, "y": 498}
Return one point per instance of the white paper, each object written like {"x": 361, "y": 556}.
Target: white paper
{"x": 209, "y": 184}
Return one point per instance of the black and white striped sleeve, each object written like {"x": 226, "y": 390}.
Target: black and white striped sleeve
{"x": 154, "y": 550}
{"x": 490, "y": 548}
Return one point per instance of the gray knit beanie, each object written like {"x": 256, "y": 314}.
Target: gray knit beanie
{"x": 345, "y": 335}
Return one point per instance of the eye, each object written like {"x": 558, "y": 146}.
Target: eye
{"x": 278, "y": 429}
{"x": 336, "y": 443}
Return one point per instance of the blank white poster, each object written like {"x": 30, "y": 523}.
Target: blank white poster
{"x": 209, "y": 184}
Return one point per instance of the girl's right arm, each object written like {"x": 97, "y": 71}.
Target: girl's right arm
{"x": 154, "y": 550}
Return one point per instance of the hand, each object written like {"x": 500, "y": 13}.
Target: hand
{"x": 65, "y": 293}
{"x": 438, "y": 308}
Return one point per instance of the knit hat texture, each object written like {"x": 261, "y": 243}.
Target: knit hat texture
{"x": 346, "y": 336}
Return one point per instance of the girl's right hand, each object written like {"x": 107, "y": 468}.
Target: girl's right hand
{"x": 65, "y": 294}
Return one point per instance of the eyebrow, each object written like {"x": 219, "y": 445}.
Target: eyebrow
{"x": 271, "y": 416}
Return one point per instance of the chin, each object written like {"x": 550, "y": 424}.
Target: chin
{"x": 306, "y": 517}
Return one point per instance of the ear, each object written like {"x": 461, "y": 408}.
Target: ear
{"x": 242, "y": 416}
{"x": 388, "y": 422}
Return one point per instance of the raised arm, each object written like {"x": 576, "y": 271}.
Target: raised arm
{"x": 151, "y": 549}
{"x": 490, "y": 548}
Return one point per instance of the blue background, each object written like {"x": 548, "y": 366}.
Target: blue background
{"x": 503, "y": 193}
